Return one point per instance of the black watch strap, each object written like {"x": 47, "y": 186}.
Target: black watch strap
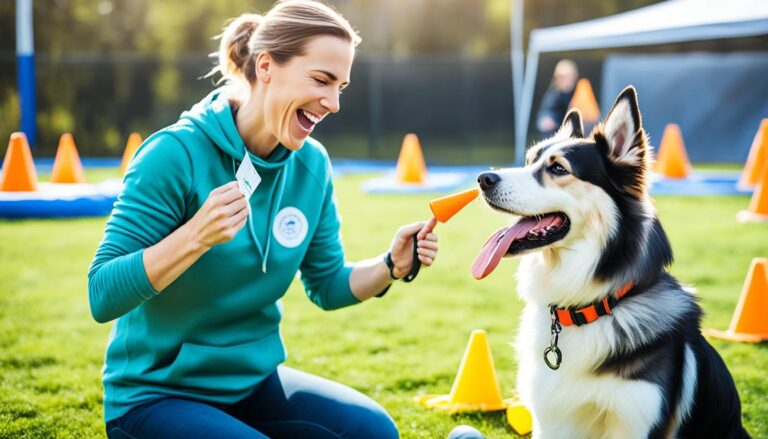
{"x": 415, "y": 267}
{"x": 384, "y": 291}
{"x": 416, "y": 264}
{"x": 390, "y": 265}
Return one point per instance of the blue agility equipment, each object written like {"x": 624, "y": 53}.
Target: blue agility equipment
{"x": 61, "y": 201}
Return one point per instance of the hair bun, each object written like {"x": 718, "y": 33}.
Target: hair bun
{"x": 233, "y": 49}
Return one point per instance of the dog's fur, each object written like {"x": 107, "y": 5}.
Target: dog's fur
{"x": 645, "y": 370}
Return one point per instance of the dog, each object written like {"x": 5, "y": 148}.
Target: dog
{"x": 609, "y": 344}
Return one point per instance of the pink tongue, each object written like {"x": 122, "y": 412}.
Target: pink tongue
{"x": 496, "y": 247}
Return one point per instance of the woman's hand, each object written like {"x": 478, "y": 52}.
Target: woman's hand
{"x": 217, "y": 221}
{"x": 220, "y": 217}
{"x": 402, "y": 246}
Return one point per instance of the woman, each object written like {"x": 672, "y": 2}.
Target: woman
{"x": 196, "y": 349}
{"x": 557, "y": 98}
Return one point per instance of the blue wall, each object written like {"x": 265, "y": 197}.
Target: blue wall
{"x": 717, "y": 99}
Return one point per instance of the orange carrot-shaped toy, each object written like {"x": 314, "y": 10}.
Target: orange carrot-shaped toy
{"x": 446, "y": 207}
{"x": 442, "y": 209}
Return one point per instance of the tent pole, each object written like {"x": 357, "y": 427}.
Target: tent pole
{"x": 516, "y": 35}
{"x": 523, "y": 118}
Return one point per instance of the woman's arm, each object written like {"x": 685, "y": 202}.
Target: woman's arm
{"x": 149, "y": 218}
{"x": 219, "y": 219}
{"x": 370, "y": 277}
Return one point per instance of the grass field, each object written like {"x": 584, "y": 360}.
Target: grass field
{"x": 405, "y": 344}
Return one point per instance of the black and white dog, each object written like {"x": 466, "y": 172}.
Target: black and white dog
{"x": 609, "y": 343}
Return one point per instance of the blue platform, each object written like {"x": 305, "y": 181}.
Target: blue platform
{"x": 53, "y": 200}
{"x": 699, "y": 184}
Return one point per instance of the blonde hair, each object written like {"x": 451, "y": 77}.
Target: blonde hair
{"x": 283, "y": 32}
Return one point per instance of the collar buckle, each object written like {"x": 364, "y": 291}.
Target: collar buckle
{"x": 553, "y": 357}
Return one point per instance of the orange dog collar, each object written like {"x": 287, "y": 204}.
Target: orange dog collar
{"x": 588, "y": 314}
{"x": 578, "y": 316}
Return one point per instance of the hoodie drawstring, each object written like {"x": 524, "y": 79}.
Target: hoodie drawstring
{"x": 276, "y": 200}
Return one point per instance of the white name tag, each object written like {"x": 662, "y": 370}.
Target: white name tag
{"x": 247, "y": 177}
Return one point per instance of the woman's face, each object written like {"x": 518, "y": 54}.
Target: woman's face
{"x": 301, "y": 92}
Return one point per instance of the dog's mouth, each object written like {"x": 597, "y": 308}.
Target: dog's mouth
{"x": 529, "y": 233}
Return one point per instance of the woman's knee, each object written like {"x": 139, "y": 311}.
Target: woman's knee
{"x": 371, "y": 422}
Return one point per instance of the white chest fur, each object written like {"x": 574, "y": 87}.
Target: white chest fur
{"x": 574, "y": 401}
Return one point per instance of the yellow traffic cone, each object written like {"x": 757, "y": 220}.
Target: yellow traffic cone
{"x": 134, "y": 141}
{"x": 672, "y": 160}
{"x": 476, "y": 387}
{"x": 748, "y": 322}
{"x": 410, "y": 164}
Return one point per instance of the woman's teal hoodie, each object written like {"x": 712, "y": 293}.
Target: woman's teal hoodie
{"x": 213, "y": 333}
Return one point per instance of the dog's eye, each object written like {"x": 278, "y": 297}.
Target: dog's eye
{"x": 557, "y": 169}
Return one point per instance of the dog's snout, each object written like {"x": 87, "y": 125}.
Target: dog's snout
{"x": 487, "y": 180}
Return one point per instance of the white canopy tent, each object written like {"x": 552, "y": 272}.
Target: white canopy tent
{"x": 672, "y": 21}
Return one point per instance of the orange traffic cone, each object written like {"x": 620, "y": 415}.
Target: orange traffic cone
{"x": 672, "y": 160}
{"x": 758, "y": 206}
{"x": 476, "y": 387}
{"x": 410, "y": 164}
{"x": 584, "y": 99}
{"x": 758, "y": 157}
{"x": 446, "y": 207}
{"x": 67, "y": 167}
{"x": 134, "y": 141}
{"x": 18, "y": 168}
{"x": 749, "y": 323}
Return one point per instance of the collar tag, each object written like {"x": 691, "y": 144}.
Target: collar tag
{"x": 553, "y": 362}
{"x": 248, "y": 178}
{"x": 582, "y": 316}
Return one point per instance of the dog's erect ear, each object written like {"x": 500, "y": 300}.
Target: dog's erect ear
{"x": 572, "y": 125}
{"x": 623, "y": 130}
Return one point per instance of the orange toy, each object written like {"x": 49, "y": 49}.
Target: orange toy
{"x": 18, "y": 168}
{"x": 410, "y": 164}
{"x": 758, "y": 157}
{"x": 672, "y": 160}
{"x": 584, "y": 99}
{"x": 134, "y": 141}
{"x": 446, "y": 207}
{"x": 749, "y": 323}
{"x": 67, "y": 167}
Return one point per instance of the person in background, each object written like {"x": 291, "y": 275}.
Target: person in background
{"x": 218, "y": 213}
{"x": 554, "y": 104}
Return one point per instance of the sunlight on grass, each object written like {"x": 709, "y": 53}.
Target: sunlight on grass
{"x": 405, "y": 344}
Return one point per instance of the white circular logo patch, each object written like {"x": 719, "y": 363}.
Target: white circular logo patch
{"x": 290, "y": 227}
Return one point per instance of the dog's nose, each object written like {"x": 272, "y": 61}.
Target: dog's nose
{"x": 487, "y": 180}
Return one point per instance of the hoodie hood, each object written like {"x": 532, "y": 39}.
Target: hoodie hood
{"x": 213, "y": 115}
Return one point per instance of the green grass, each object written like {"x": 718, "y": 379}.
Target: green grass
{"x": 405, "y": 344}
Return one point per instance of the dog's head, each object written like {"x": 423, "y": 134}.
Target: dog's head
{"x": 588, "y": 194}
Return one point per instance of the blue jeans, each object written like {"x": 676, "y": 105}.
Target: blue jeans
{"x": 287, "y": 404}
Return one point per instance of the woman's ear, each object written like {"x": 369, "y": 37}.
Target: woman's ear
{"x": 264, "y": 64}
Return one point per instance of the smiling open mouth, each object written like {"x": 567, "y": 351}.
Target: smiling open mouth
{"x": 529, "y": 233}
{"x": 306, "y": 120}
